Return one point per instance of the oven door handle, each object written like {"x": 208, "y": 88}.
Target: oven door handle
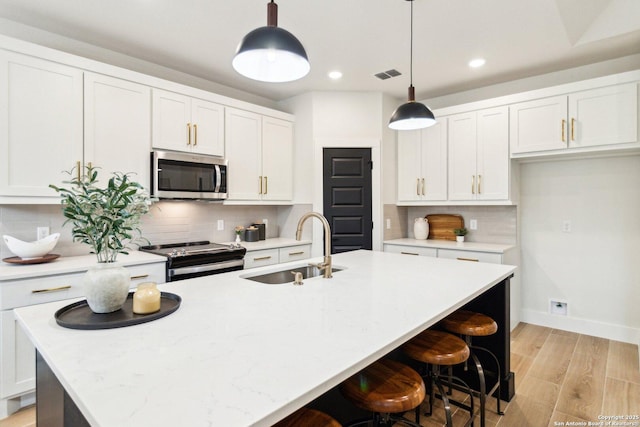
{"x": 173, "y": 272}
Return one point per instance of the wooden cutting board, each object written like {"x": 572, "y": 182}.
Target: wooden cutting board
{"x": 441, "y": 226}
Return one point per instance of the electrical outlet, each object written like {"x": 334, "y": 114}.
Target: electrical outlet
{"x": 558, "y": 307}
{"x": 473, "y": 224}
{"x": 220, "y": 224}
{"x": 42, "y": 232}
{"x": 566, "y": 226}
{"x": 388, "y": 224}
{"x": 265, "y": 221}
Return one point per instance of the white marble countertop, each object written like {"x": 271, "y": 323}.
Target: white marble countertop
{"x": 273, "y": 243}
{"x": 242, "y": 353}
{"x": 450, "y": 244}
{"x": 72, "y": 264}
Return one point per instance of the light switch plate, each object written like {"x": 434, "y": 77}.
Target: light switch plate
{"x": 42, "y": 232}
{"x": 473, "y": 224}
{"x": 220, "y": 224}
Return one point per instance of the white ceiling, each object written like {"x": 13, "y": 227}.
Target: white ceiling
{"x": 518, "y": 38}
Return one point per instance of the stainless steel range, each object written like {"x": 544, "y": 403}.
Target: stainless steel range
{"x": 195, "y": 259}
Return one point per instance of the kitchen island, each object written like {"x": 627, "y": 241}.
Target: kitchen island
{"x": 242, "y": 353}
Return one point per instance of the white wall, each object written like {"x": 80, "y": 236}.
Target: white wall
{"x": 595, "y": 267}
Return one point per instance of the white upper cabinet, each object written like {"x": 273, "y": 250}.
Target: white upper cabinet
{"x": 479, "y": 155}
{"x": 608, "y": 115}
{"x": 538, "y": 125}
{"x": 277, "y": 159}
{"x": 422, "y": 164}
{"x": 117, "y": 130}
{"x": 260, "y": 154}
{"x": 41, "y": 122}
{"x": 182, "y": 123}
{"x": 602, "y": 116}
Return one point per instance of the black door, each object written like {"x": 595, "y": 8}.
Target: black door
{"x": 347, "y": 197}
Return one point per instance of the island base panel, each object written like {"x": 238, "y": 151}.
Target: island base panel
{"x": 54, "y": 407}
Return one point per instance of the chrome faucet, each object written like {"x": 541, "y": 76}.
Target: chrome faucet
{"x": 325, "y": 266}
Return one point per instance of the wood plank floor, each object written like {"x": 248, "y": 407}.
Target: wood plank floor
{"x": 561, "y": 377}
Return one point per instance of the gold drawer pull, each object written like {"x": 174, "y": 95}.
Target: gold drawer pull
{"x": 42, "y": 291}
{"x": 468, "y": 259}
{"x": 573, "y": 130}
{"x": 142, "y": 276}
{"x": 409, "y": 253}
{"x": 195, "y": 135}
{"x": 296, "y": 253}
{"x": 564, "y": 125}
{"x": 262, "y": 258}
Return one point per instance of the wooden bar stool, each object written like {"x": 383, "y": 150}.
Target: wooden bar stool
{"x": 439, "y": 349}
{"x": 470, "y": 324}
{"x": 308, "y": 417}
{"x": 385, "y": 388}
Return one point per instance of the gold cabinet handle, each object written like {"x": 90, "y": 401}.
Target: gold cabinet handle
{"x": 423, "y": 185}
{"x": 473, "y": 184}
{"x": 266, "y": 185}
{"x": 296, "y": 253}
{"x": 142, "y": 276}
{"x": 479, "y": 184}
{"x": 78, "y": 170}
{"x": 262, "y": 258}
{"x": 195, "y": 135}
{"x": 417, "y": 186}
{"x": 564, "y": 124}
{"x": 573, "y": 131}
{"x": 260, "y": 181}
{"x": 42, "y": 291}
{"x": 468, "y": 259}
{"x": 409, "y": 253}
{"x": 188, "y": 133}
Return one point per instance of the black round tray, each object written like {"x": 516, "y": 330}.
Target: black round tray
{"x": 79, "y": 316}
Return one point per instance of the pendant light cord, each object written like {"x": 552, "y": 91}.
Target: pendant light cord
{"x": 411, "y": 47}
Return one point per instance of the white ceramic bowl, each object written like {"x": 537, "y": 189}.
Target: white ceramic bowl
{"x": 31, "y": 250}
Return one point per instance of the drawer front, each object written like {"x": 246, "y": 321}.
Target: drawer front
{"x": 489, "y": 257}
{"x": 261, "y": 258}
{"x": 294, "y": 253}
{"x": 39, "y": 290}
{"x": 411, "y": 250}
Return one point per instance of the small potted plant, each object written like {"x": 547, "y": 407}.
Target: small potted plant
{"x": 460, "y": 233}
{"x": 107, "y": 219}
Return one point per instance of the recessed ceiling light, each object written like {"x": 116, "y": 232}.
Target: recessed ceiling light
{"x": 335, "y": 75}
{"x": 478, "y": 62}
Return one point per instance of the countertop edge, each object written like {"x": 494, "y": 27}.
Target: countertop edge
{"x": 450, "y": 244}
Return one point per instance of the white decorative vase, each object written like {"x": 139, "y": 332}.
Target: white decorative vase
{"x": 421, "y": 229}
{"x": 106, "y": 286}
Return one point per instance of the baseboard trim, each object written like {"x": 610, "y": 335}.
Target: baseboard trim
{"x": 582, "y": 326}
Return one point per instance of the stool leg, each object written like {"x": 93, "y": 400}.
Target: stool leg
{"x": 495, "y": 359}
{"x": 445, "y": 399}
{"x": 483, "y": 388}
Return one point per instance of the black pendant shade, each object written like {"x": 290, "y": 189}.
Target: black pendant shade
{"x": 271, "y": 54}
{"x": 411, "y": 115}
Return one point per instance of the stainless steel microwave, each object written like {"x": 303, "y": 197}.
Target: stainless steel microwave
{"x": 188, "y": 176}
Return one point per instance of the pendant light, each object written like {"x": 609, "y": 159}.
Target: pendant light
{"x": 271, "y": 54}
{"x": 411, "y": 115}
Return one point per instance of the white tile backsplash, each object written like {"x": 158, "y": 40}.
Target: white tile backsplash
{"x": 496, "y": 224}
{"x": 167, "y": 222}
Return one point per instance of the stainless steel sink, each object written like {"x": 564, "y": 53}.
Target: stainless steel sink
{"x": 287, "y": 276}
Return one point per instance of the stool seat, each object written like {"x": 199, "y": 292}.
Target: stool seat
{"x": 309, "y": 418}
{"x": 385, "y": 386}
{"x": 437, "y": 348}
{"x": 469, "y": 323}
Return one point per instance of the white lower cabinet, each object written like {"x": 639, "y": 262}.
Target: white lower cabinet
{"x": 474, "y": 256}
{"x": 266, "y": 257}
{"x": 410, "y": 250}
{"x": 17, "y": 354}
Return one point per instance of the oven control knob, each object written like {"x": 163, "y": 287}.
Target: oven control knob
{"x": 173, "y": 253}
{"x": 183, "y": 252}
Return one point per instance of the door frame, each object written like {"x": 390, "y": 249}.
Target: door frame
{"x": 376, "y": 186}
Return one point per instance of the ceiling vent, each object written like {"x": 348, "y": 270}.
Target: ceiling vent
{"x": 388, "y": 74}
